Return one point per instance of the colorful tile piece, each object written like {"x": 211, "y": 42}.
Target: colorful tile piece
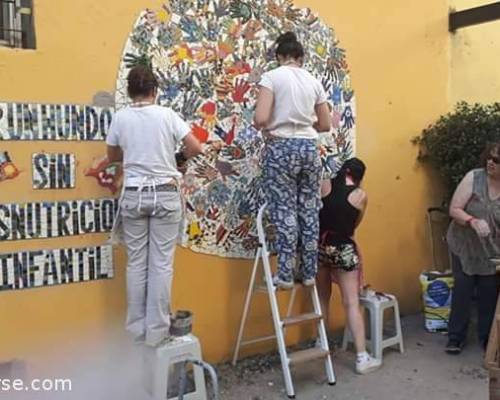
{"x": 7, "y": 168}
{"x": 108, "y": 174}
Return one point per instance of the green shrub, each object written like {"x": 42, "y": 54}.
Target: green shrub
{"x": 454, "y": 143}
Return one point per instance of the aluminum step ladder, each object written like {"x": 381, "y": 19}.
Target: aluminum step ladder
{"x": 280, "y": 325}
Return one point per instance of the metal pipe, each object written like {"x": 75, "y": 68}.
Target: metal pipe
{"x": 204, "y": 365}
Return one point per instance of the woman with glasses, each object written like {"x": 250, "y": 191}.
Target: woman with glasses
{"x": 474, "y": 241}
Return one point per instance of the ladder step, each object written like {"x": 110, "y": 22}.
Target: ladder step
{"x": 263, "y": 288}
{"x": 298, "y": 319}
{"x": 257, "y": 340}
{"x": 307, "y": 355}
{"x": 260, "y": 288}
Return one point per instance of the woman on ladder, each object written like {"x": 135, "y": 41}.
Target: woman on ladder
{"x": 291, "y": 109}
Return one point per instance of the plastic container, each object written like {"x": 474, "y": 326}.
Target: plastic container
{"x": 182, "y": 323}
{"x": 437, "y": 288}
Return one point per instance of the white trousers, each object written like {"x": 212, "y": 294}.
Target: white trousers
{"x": 150, "y": 230}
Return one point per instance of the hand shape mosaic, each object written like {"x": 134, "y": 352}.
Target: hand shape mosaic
{"x": 208, "y": 56}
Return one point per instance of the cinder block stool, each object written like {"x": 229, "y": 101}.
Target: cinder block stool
{"x": 376, "y": 304}
{"x": 157, "y": 363}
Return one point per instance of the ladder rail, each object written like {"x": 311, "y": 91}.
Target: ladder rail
{"x": 322, "y": 336}
{"x": 248, "y": 299}
{"x": 260, "y": 227}
{"x": 271, "y": 289}
{"x": 278, "y": 325}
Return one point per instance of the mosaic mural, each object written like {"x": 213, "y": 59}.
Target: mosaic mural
{"x": 25, "y": 121}
{"x": 208, "y": 56}
{"x": 30, "y": 269}
{"x": 8, "y": 169}
{"x": 53, "y": 171}
{"x": 47, "y": 219}
{"x": 107, "y": 174}
{"x": 54, "y": 219}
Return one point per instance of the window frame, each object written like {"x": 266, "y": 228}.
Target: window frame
{"x": 16, "y": 25}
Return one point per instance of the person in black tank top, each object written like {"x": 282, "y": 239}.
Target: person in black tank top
{"x": 344, "y": 203}
{"x": 338, "y": 217}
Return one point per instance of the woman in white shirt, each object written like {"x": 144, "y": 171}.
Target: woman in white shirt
{"x": 291, "y": 109}
{"x": 145, "y": 136}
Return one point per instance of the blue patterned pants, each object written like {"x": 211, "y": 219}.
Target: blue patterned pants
{"x": 291, "y": 179}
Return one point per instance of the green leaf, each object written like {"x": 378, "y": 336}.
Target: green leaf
{"x": 454, "y": 143}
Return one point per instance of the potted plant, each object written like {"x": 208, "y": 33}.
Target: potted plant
{"x": 453, "y": 144}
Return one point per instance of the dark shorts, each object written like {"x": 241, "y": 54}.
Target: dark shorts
{"x": 340, "y": 256}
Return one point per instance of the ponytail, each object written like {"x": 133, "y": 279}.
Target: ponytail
{"x": 353, "y": 167}
{"x": 141, "y": 81}
{"x": 289, "y": 46}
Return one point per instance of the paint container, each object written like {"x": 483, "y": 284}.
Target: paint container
{"x": 181, "y": 323}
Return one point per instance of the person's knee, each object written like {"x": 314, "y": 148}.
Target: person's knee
{"x": 350, "y": 302}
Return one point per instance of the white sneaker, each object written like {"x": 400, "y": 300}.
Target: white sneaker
{"x": 367, "y": 364}
{"x": 308, "y": 282}
{"x": 282, "y": 284}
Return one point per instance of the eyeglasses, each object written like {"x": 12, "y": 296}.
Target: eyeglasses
{"x": 495, "y": 159}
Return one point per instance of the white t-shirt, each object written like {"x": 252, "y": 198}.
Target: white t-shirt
{"x": 148, "y": 136}
{"x": 296, "y": 93}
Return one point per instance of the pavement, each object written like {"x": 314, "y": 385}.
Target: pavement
{"x": 423, "y": 372}
{"x": 112, "y": 370}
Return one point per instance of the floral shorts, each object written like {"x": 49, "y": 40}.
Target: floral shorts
{"x": 342, "y": 256}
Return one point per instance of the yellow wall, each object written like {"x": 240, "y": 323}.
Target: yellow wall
{"x": 398, "y": 57}
{"x": 475, "y": 56}
{"x": 398, "y": 54}
{"x": 459, "y": 5}
{"x": 79, "y": 44}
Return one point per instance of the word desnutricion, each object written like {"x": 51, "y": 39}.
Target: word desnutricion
{"x": 39, "y": 220}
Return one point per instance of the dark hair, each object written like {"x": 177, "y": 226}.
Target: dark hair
{"x": 141, "y": 81}
{"x": 289, "y": 46}
{"x": 490, "y": 147}
{"x": 353, "y": 167}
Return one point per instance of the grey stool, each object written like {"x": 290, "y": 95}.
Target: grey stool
{"x": 376, "y": 305}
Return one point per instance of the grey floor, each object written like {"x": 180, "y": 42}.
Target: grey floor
{"x": 423, "y": 372}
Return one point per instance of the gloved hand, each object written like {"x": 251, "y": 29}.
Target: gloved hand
{"x": 481, "y": 227}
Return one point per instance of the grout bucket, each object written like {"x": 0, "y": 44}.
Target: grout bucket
{"x": 181, "y": 323}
